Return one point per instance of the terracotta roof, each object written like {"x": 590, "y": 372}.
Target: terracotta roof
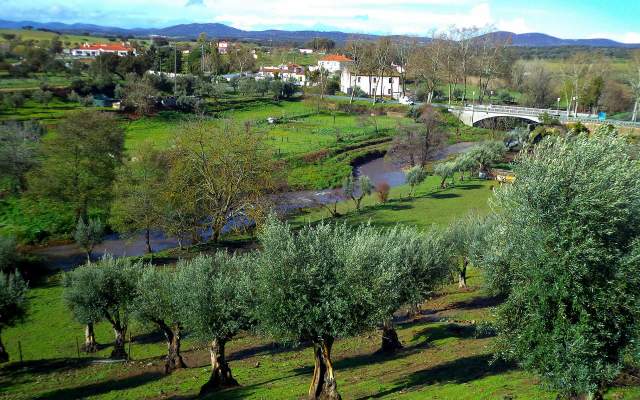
{"x": 105, "y": 47}
{"x": 336, "y": 57}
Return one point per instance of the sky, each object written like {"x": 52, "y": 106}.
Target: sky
{"x": 614, "y": 19}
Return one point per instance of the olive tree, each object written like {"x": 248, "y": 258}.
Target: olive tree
{"x": 486, "y": 154}
{"x": 406, "y": 266}
{"x": 157, "y": 301}
{"x": 88, "y": 234}
{"x": 444, "y": 170}
{"x": 415, "y": 176}
{"x": 566, "y": 246}
{"x": 357, "y": 188}
{"x": 13, "y": 304}
{"x": 308, "y": 289}
{"x": 79, "y": 302}
{"x": 215, "y": 293}
{"x": 104, "y": 291}
{"x": 466, "y": 238}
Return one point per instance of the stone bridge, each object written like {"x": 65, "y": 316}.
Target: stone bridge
{"x": 472, "y": 114}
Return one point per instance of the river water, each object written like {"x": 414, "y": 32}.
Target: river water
{"x": 378, "y": 170}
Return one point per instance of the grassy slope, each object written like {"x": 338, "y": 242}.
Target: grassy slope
{"x": 430, "y": 205}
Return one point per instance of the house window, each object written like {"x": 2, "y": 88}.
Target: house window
{"x": 390, "y": 80}
{"x": 375, "y": 80}
{"x": 388, "y": 91}
{"x": 358, "y": 79}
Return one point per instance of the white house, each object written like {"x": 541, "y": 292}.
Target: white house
{"x": 223, "y": 47}
{"x": 305, "y": 51}
{"x": 334, "y": 62}
{"x": 385, "y": 86}
{"x": 286, "y": 72}
{"x": 95, "y": 49}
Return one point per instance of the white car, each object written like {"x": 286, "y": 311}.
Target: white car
{"x": 406, "y": 100}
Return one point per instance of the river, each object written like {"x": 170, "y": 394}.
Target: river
{"x": 378, "y": 170}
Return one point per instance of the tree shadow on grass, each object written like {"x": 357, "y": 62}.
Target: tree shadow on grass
{"x": 101, "y": 387}
{"x": 459, "y": 371}
{"x": 476, "y": 303}
{"x": 422, "y": 340}
{"x": 439, "y": 196}
{"x": 445, "y": 331}
{"x": 18, "y": 370}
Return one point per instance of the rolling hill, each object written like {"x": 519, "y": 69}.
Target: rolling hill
{"x": 222, "y": 31}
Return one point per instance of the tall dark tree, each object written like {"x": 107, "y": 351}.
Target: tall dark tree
{"x": 79, "y": 162}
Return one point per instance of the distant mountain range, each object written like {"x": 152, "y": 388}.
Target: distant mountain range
{"x": 222, "y": 31}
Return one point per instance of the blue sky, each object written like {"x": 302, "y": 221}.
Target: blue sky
{"x": 615, "y": 19}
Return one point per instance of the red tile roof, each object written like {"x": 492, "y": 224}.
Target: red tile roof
{"x": 105, "y": 47}
{"x": 336, "y": 57}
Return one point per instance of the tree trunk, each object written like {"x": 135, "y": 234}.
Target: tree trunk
{"x": 118, "y": 345}
{"x": 636, "y": 105}
{"x": 443, "y": 183}
{"x": 323, "y": 385}
{"x": 462, "y": 274}
{"x": 4, "y": 356}
{"x": 90, "y": 345}
{"x": 390, "y": 341}
{"x": 174, "y": 359}
{"x": 220, "y": 372}
{"x": 147, "y": 240}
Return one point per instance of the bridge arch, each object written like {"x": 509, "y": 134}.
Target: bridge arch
{"x": 479, "y": 117}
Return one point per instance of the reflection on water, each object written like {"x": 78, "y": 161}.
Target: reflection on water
{"x": 378, "y": 170}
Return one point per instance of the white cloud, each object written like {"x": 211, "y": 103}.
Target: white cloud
{"x": 629, "y": 37}
{"x": 517, "y": 25}
{"x": 404, "y": 17}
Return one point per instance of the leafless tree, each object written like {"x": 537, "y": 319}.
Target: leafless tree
{"x": 635, "y": 85}
{"x": 416, "y": 144}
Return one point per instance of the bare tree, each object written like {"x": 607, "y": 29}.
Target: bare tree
{"x": 416, "y": 144}
{"x": 464, "y": 47}
{"x": 383, "y": 57}
{"x": 575, "y": 74}
{"x": 492, "y": 61}
{"x": 402, "y": 51}
{"x": 635, "y": 86}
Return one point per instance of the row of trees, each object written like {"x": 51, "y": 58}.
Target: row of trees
{"x": 450, "y": 58}
{"x": 314, "y": 286}
{"x": 215, "y": 172}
